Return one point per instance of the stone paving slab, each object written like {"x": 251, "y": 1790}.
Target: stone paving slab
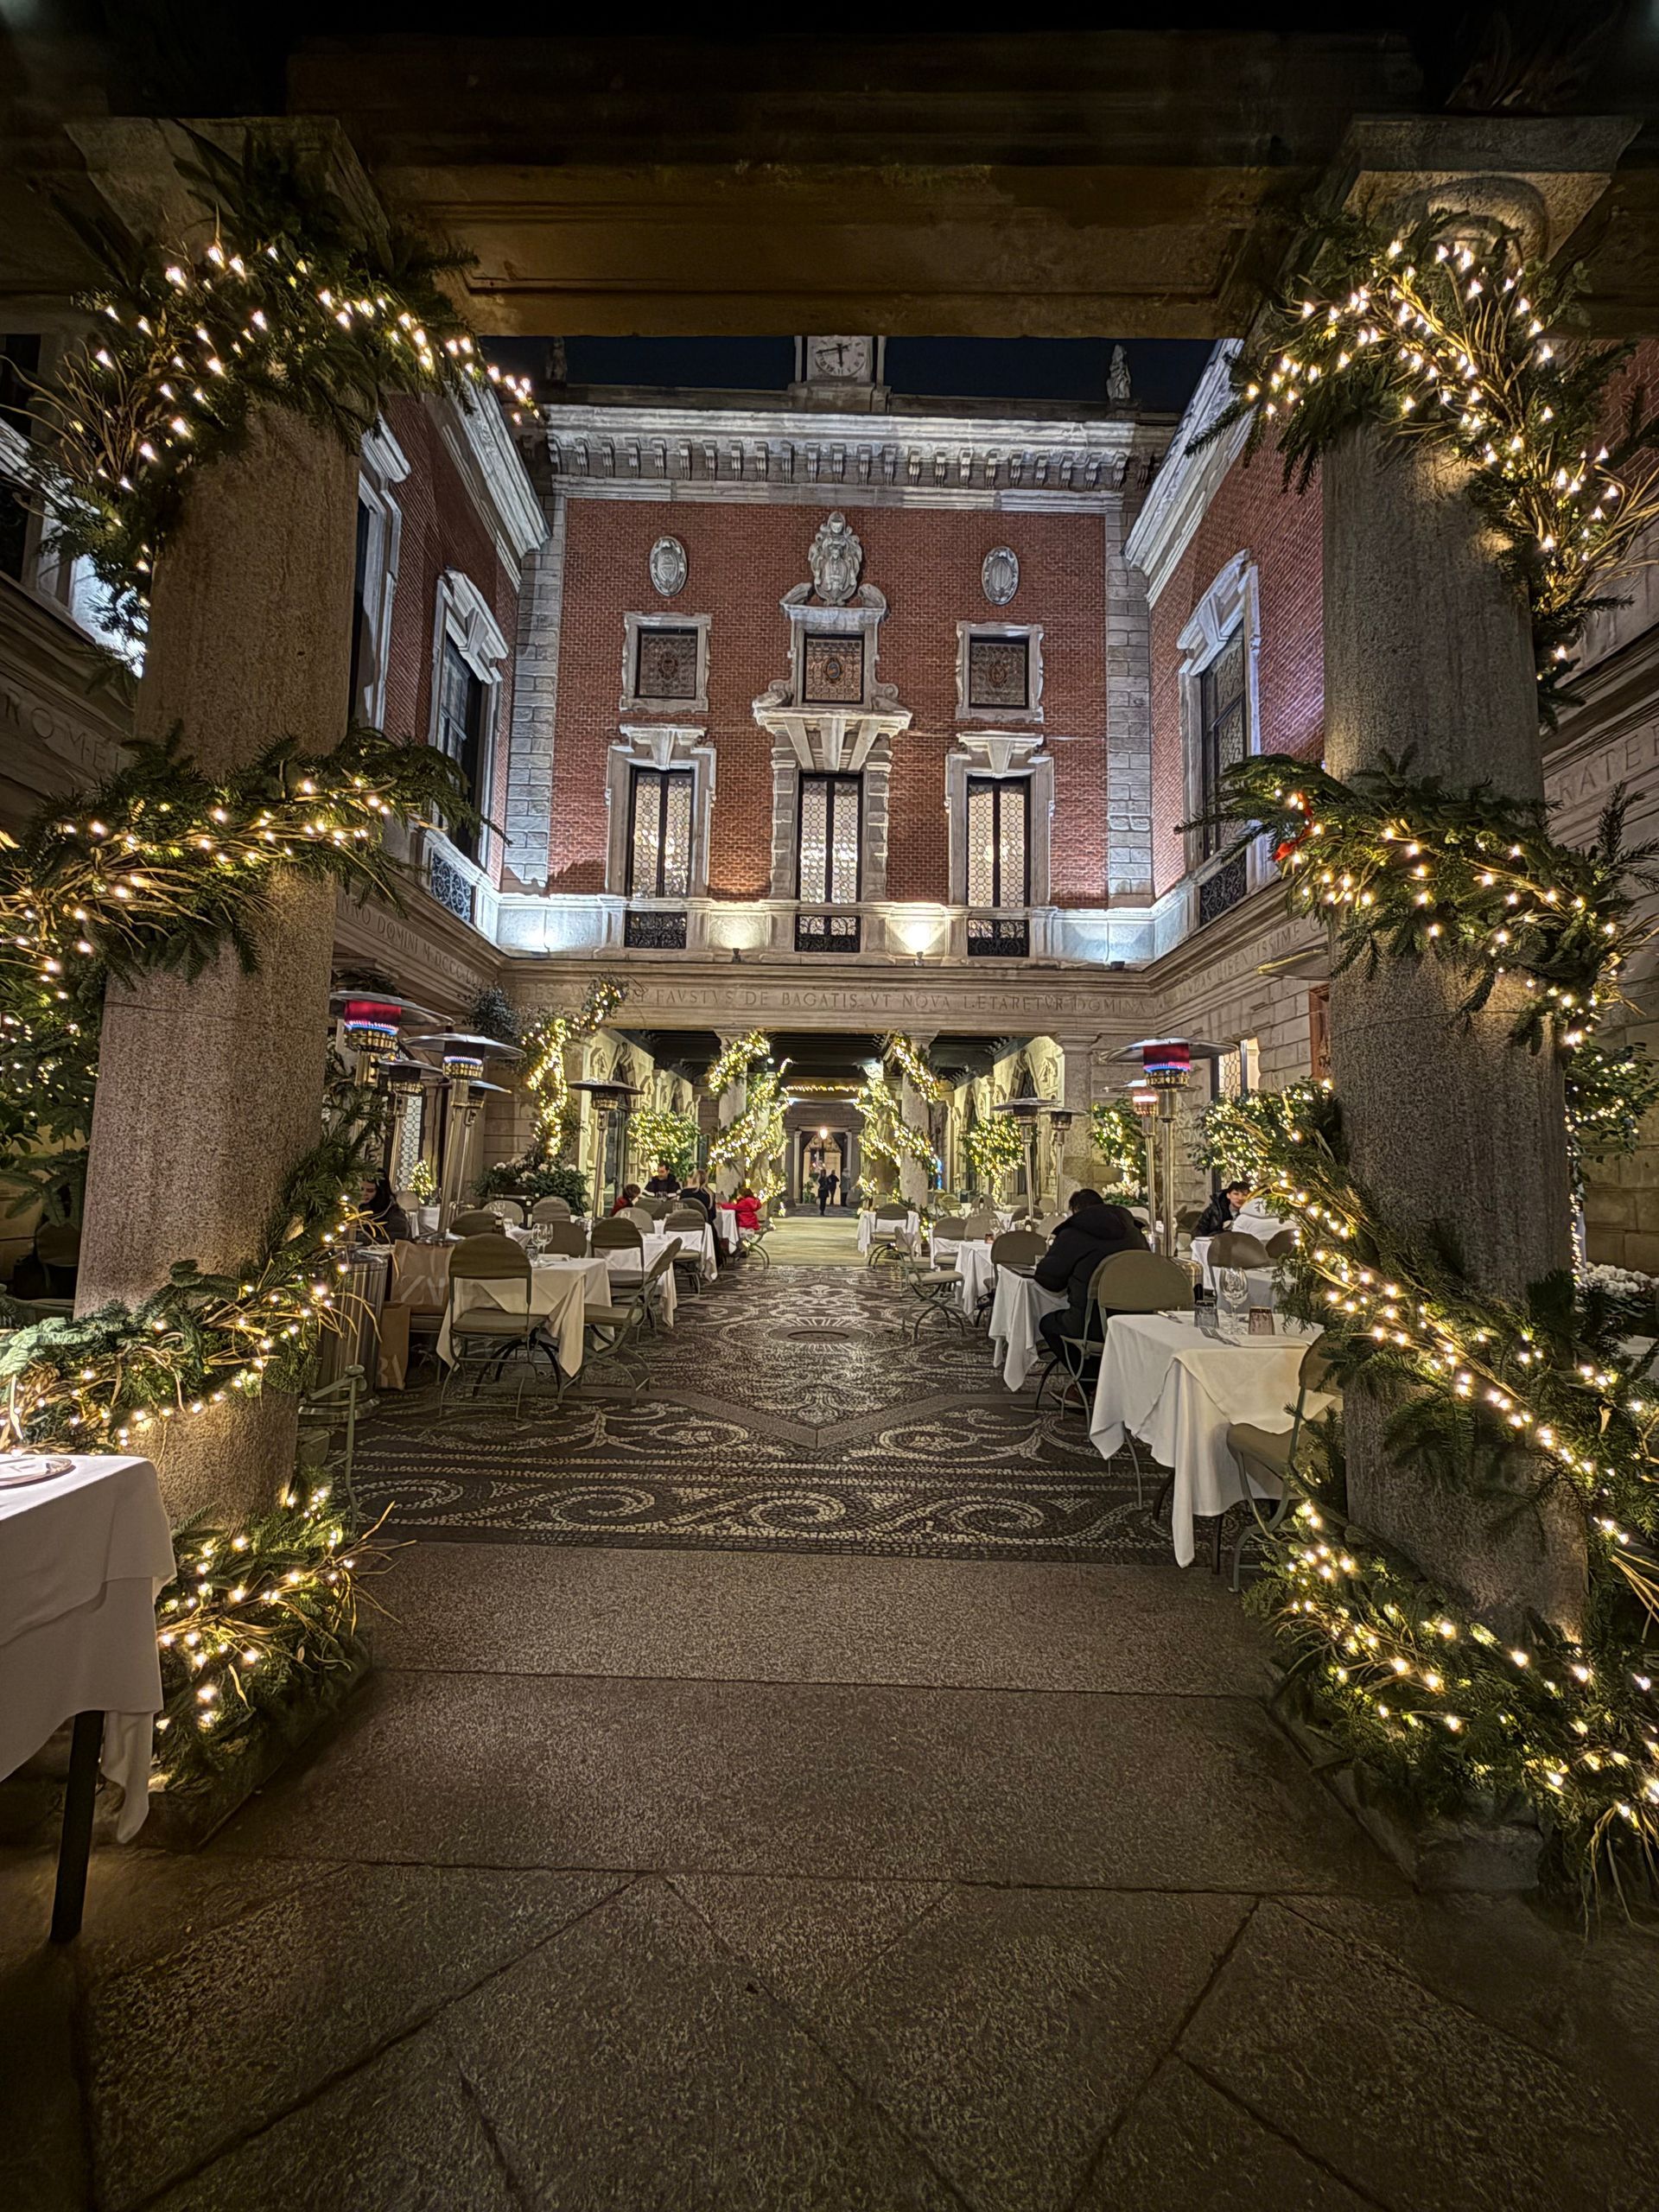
{"x": 1415, "y": 2100}
{"x": 966, "y": 1785}
{"x": 780, "y": 1616}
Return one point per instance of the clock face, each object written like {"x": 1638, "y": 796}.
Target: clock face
{"x": 842, "y": 358}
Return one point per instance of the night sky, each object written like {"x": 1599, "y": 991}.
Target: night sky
{"x": 1057, "y": 370}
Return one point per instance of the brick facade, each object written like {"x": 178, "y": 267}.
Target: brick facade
{"x": 742, "y": 560}
{"x": 442, "y": 528}
{"x": 1251, "y": 513}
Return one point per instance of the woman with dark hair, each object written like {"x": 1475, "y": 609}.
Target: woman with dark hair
{"x": 385, "y": 1217}
{"x": 626, "y": 1196}
{"x": 1093, "y": 1231}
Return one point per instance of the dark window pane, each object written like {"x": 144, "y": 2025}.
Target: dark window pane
{"x": 667, "y": 664}
{"x": 998, "y": 672}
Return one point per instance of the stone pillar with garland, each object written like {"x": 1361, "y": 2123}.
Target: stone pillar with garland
{"x": 918, "y": 1113}
{"x": 729, "y": 1104}
{"x": 1074, "y": 1147}
{"x": 1455, "y": 1133}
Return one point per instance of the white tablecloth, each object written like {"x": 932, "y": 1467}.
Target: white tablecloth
{"x": 974, "y": 1266}
{"x": 627, "y": 1267}
{"x": 867, "y": 1228}
{"x": 726, "y": 1222}
{"x": 1259, "y": 1281}
{"x": 699, "y": 1240}
{"x": 1249, "y": 1223}
{"x": 83, "y": 1556}
{"x": 1178, "y": 1390}
{"x": 559, "y": 1288}
{"x": 1019, "y": 1304}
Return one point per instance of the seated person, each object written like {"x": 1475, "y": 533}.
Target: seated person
{"x": 1218, "y": 1214}
{"x": 385, "y": 1220}
{"x": 748, "y": 1212}
{"x": 1091, "y": 1232}
{"x": 697, "y": 1194}
{"x": 626, "y": 1196}
{"x": 664, "y": 1184}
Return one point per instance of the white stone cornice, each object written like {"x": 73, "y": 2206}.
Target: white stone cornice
{"x": 1187, "y": 481}
{"x": 482, "y": 447}
{"x": 751, "y": 455}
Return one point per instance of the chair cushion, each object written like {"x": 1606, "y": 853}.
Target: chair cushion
{"x": 1268, "y": 1447}
{"x": 609, "y": 1316}
{"x": 476, "y": 1323}
{"x": 935, "y": 1275}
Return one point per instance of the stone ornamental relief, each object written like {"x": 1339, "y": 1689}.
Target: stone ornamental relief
{"x": 836, "y": 559}
{"x": 1000, "y": 575}
{"x": 669, "y": 566}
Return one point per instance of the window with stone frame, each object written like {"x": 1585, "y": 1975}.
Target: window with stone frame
{"x": 828, "y": 843}
{"x": 999, "y": 841}
{"x": 665, "y": 664}
{"x": 659, "y": 833}
{"x": 999, "y": 673}
{"x": 1224, "y": 737}
{"x": 832, "y": 671}
{"x": 460, "y": 734}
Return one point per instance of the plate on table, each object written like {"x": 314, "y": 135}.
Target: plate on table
{"x": 19, "y": 1467}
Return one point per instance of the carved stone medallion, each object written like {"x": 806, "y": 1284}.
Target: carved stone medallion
{"x": 837, "y": 557}
{"x": 669, "y": 566}
{"x": 999, "y": 576}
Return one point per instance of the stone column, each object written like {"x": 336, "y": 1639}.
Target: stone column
{"x": 1075, "y": 1148}
{"x": 729, "y": 1105}
{"x": 210, "y": 1089}
{"x": 914, "y": 1180}
{"x": 1457, "y": 1135}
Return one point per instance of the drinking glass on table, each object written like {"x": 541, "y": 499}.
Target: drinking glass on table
{"x": 1233, "y": 1303}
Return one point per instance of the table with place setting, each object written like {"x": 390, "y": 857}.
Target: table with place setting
{"x": 84, "y": 1550}
{"x": 973, "y": 1261}
{"x": 1166, "y": 1380}
{"x": 560, "y": 1290}
{"x": 867, "y": 1233}
{"x": 1019, "y": 1305}
{"x": 1250, "y": 1222}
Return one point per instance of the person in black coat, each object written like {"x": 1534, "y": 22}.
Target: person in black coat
{"x": 1218, "y": 1214}
{"x": 1091, "y": 1232}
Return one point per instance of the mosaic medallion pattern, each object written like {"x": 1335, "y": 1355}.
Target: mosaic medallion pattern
{"x": 784, "y": 1409}
{"x": 999, "y": 672}
{"x": 668, "y": 665}
{"x": 832, "y": 671}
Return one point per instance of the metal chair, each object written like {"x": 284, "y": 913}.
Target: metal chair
{"x": 1233, "y": 1248}
{"x": 980, "y": 1222}
{"x": 618, "y": 1232}
{"x": 1281, "y": 1245}
{"x": 689, "y": 1224}
{"x": 510, "y": 1209}
{"x": 566, "y": 1237}
{"x": 1013, "y": 1248}
{"x": 496, "y": 1332}
{"x": 936, "y": 1285}
{"x": 890, "y": 1235}
{"x": 1187, "y": 1219}
{"x": 642, "y": 1217}
{"x": 551, "y": 1209}
{"x": 476, "y": 1223}
{"x": 1050, "y": 1223}
{"x": 755, "y": 1244}
{"x": 1128, "y": 1282}
{"x": 613, "y": 1328}
{"x": 1266, "y": 1457}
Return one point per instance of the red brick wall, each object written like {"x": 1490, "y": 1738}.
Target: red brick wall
{"x": 441, "y": 529}
{"x": 743, "y": 559}
{"x": 1250, "y": 513}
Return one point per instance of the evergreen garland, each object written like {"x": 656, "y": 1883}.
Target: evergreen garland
{"x": 1119, "y": 1137}
{"x": 288, "y": 306}
{"x": 1425, "y": 337}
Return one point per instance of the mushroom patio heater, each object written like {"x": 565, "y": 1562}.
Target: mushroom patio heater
{"x": 463, "y": 1056}
{"x": 370, "y": 1024}
{"x": 609, "y": 1097}
{"x": 401, "y": 1079}
{"x": 1166, "y": 1068}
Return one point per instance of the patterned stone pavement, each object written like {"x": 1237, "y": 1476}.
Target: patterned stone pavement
{"x": 786, "y": 1407}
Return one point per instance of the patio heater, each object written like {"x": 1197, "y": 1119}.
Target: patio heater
{"x": 1024, "y": 1113}
{"x": 1144, "y": 1100}
{"x": 371, "y": 1023}
{"x": 401, "y": 1079}
{"x": 465, "y": 1091}
{"x": 608, "y": 1098}
{"x": 1060, "y": 1119}
{"x": 1166, "y": 1068}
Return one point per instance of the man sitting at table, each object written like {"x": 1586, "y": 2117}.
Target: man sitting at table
{"x": 665, "y": 1183}
{"x": 1217, "y": 1215}
{"x": 1091, "y": 1232}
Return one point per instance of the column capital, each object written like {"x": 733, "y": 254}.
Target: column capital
{"x": 1540, "y": 175}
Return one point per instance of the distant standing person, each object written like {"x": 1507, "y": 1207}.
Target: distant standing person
{"x": 826, "y": 1190}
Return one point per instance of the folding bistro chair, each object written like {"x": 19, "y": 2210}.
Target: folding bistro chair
{"x": 613, "y": 1326}
{"x": 476, "y": 1223}
{"x": 551, "y": 1209}
{"x": 936, "y": 1282}
{"x": 562, "y": 1235}
{"x": 891, "y": 1238}
{"x": 1266, "y": 1457}
{"x": 494, "y": 1332}
{"x": 1129, "y": 1282}
{"x": 1014, "y": 1247}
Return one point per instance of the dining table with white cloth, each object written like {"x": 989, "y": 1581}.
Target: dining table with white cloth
{"x": 726, "y": 1225}
{"x": 626, "y": 1268}
{"x": 973, "y": 1263}
{"x": 84, "y": 1554}
{"x": 867, "y": 1230}
{"x": 1247, "y": 1223}
{"x": 560, "y": 1290}
{"x": 1166, "y": 1382}
{"x": 1020, "y": 1304}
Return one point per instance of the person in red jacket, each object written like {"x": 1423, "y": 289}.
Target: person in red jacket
{"x": 748, "y": 1212}
{"x": 626, "y": 1196}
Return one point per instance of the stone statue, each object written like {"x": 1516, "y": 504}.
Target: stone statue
{"x": 1117, "y": 379}
{"x": 669, "y": 566}
{"x": 836, "y": 557}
